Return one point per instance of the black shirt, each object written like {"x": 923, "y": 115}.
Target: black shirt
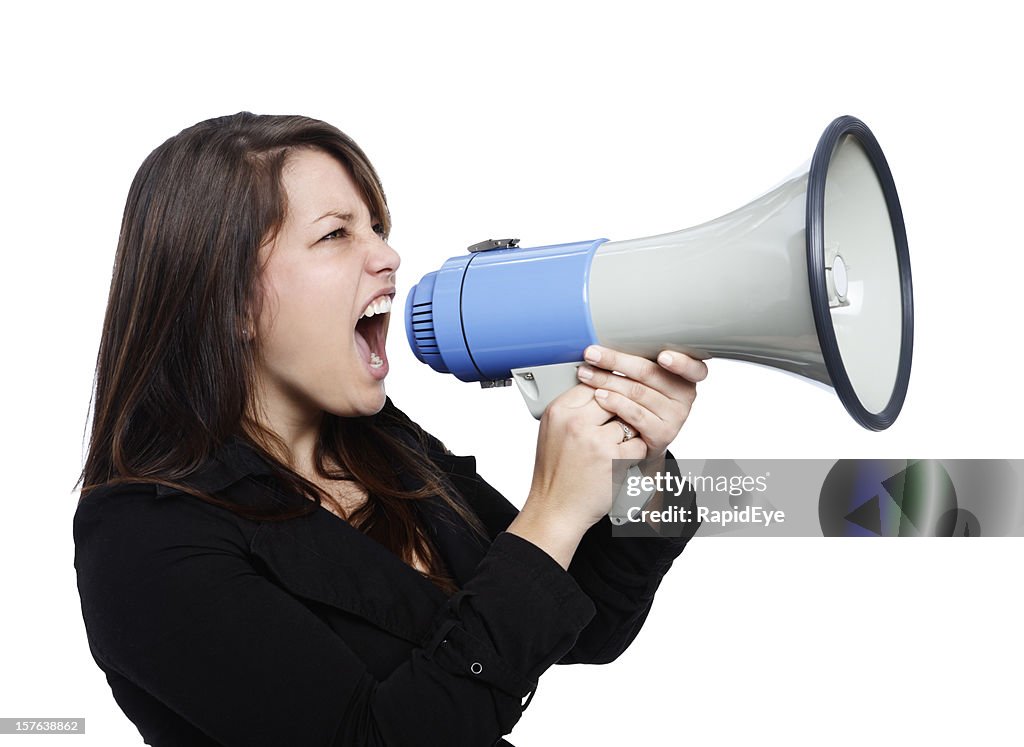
{"x": 213, "y": 629}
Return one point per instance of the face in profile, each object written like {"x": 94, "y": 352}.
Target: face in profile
{"x": 326, "y": 269}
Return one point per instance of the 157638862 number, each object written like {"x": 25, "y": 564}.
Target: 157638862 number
{"x": 49, "y": 725}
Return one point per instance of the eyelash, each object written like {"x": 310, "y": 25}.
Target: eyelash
{"x": 340, "y": 231}
{"x": 378, "y": 229}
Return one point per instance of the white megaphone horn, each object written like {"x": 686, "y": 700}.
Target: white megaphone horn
{"x": 812, "y": 278}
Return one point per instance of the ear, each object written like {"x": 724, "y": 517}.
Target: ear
{"x": 246, "y": 329}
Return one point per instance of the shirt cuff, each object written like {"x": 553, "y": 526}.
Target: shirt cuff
{"x": 519, "y": 614}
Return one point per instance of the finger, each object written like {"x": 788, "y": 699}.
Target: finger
{"x": 578, "y": 402}
{"x": 655, "y": 432}
{"x": 632, "y": 448}
{"x": 681, "y": 364}
{"x": 668, "y": 408}
{"x": 635, "y": 449}
{"x": 633, "y": 366}
{"x": 615, "y": 431}
{"x": 665, "y": 379}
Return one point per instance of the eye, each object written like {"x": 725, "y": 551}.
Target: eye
{"x": 338, "y": 233}
{"x": 378, "y": 228}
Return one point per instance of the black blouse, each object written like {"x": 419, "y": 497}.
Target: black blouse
{"x": 213, "y": 629}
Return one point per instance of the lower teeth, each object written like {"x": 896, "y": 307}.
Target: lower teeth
{"x": 375, "y": 361}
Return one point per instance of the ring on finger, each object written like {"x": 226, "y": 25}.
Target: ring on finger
{"x": 627, "y": 432}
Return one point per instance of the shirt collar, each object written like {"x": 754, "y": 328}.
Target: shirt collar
{"x": 234, "y": 460}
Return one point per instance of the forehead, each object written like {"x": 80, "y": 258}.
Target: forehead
{"x": 316, "y": 183}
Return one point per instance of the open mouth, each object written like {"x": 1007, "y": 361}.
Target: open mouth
{"x": 370, "y": 332}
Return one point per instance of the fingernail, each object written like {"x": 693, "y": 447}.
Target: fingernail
{"x": 665, "y": 359}
{"x": 592, "y": 354}
{"x": 584, "y": 372}
{"x": 600, "y": 393}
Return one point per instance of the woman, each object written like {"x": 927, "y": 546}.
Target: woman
{"x": 240, "y": 391}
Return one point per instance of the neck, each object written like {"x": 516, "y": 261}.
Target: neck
{"x": 297, "y": 425}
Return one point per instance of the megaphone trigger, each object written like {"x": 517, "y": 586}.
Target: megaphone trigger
{"x": 541, "y": 385}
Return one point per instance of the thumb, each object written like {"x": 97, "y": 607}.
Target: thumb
{"x": 580, "y": 397}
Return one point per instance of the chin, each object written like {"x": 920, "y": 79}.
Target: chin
{"x": 363, "y": 407}
{"x": 380, "y": 404}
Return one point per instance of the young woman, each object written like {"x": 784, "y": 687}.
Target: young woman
{"x": 269, "y": 551}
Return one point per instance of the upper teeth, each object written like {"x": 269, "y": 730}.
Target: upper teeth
{"x": 380, "y": 305}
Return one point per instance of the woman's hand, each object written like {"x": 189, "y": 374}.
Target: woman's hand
{"x": 581, "y": 432}
{"x": 654, "y": 399}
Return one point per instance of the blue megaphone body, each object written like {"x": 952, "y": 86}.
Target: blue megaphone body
{"x": 489, "y": 315}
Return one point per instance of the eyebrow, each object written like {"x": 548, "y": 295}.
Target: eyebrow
{"x": 335, "y": 214}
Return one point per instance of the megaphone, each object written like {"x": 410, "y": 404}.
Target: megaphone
{"x": 812, "y": 278}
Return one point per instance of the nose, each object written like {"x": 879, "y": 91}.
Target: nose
{"x": 383, "y": 258}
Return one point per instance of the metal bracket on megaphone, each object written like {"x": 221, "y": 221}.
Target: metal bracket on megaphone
{"x": 486, "y": 246}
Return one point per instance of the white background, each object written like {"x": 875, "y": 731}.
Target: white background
{"x": 559, "y": 122}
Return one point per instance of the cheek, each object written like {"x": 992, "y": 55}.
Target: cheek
{"x": 305, "y": 313}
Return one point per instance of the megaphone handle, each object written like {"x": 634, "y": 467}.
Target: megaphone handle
{"x": 624, "y": 502}
{"x": 541, "y": 385}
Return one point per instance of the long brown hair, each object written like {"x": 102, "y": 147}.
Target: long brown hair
{"x": 175, "y": 381}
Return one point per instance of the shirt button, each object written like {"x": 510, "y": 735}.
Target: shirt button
{"x": 476, "y": 667}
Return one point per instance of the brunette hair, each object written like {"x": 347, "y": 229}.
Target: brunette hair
{"x": 174, "y": 381}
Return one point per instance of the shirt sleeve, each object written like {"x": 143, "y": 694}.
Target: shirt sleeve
{"x": 173, "y": 602}
{"x": 619, "y": 574}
